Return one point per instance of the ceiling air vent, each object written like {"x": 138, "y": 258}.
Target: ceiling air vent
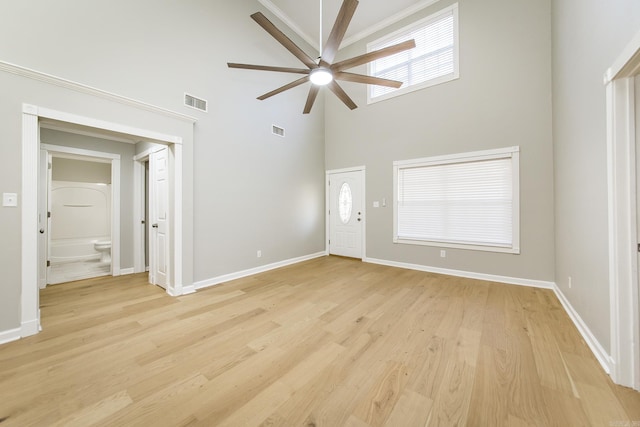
{"x": 277, "y": 130}
{"x": 193, "y": 102}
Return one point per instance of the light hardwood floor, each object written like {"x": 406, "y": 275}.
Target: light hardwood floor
{"x": 329, "y": 342}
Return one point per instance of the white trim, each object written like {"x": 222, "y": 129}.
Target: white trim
{"x": 98, "y": 155}
{"x": 496, "y": 153}
{"x": 279, "y": 13}
{"x": 30, "y": 313}
{"x": 455, "y": 74}
{"x": 186, "y": 290}
{"x": 29, "y": 301}
{"x": 512, "y": 153}
{"x": 114, "y": 160}
{"x": 144, "y": 134}
{"x": 623, "y": 216}
{"x": 466, "y": 274}
{"x": 628, "y": 62}
{"x": 252, "y": 271}
{"x": 126, "y": 271}
{"x": 139, "y": 190}
{"x": 327, "y": 195}
{"x": 598, "y": 351}
{"x": 79, "y": 87}
{"x": 10, "y": 335}
{"x": 344, "y": 170}
{"x": 83, "y": 132}
{"x": 144, "y": 156}
{"x": 138, "y": 202}
{"x": 415, "y": 8}
{"x": 176, "y": 283}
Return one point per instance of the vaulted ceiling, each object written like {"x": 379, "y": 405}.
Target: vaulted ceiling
{"x": 303, "y": 16}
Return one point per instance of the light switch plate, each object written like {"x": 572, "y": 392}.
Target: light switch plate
{"x": 9, "y": 199}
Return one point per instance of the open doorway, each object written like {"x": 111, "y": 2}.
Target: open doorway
{"x": 32, "y": 118}
{"x": 78, "y": 198}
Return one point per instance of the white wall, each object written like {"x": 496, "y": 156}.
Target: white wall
{"x": 502, "y": 99}
{"x": 244, "y": 189}
{"x": 588, "y": 35}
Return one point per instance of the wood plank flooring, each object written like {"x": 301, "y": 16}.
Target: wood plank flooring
{"x": 328, "y": 342}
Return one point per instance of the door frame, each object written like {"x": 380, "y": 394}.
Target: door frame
{"x": 363, "y": 176}
{"x": 31, "y": 115}
{"x": 623, "y": 215}
{"x": 139, "y": 209}
{"x": 114, "y": 161}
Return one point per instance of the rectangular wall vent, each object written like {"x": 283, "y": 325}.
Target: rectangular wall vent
{"x": 277, "y": 130}
{"x": 194, "y": 102}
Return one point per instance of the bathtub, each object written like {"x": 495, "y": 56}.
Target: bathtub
{"x": 80, "y": 216}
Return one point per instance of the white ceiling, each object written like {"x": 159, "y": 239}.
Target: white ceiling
{"x": 303, "y": 16}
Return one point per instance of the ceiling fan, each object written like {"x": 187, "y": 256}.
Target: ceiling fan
{"x": 324, "y": 71}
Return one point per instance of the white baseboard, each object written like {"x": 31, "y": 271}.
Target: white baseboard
{"x": 125, "y": 271}
{"x": 598, "y": 351}
{"x": 10, "y": 335}
{"x": 31, "y": 327}
{"x": 186, "y": 290}
{"x": 250, "y": 272}
{"x": 468, "y": 274}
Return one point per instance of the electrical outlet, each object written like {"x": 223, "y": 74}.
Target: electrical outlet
{"x": 443, "y": 254}
{"x": 569, "y": 282}
{"x": 10, "y": 199}
{"x": 259, "y": 254}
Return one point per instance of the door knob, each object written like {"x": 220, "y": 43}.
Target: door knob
{"x": 42, "y": 231}
{"x": 155, "y": 225}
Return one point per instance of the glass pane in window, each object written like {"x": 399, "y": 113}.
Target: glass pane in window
{"x": 345, "y": 203}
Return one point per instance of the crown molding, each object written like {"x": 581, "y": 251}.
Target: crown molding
{"x": 387, "y": 22}
{"x": 82, "y": 88}
{"x": 356, "y": 37}
{"x": 289, "y": 22}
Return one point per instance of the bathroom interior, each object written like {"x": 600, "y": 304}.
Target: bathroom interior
{"x": 80, "y": 222}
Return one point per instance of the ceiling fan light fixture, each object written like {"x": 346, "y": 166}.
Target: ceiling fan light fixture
{"x": 321, "y": 76}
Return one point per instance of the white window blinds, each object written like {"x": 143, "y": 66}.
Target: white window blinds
{"x": 432, "y": 61}
{"x": 467, "y": 201}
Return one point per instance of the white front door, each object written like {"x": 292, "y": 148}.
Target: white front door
{"x": 158, "y": 215}
{"x": 346, "y": 213}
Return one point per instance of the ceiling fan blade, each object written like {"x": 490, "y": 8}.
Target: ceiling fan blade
{"x": 372, "y": 56}
{"x": 268, "y": 68}
{"x": 313, "y": 94}
{"x": 340, "y": 93}
{"x": 359, "y": 78}
{"x": 283, "y": 88}
{"x": 283, "y": 40}
{"x": 337, "y": 33}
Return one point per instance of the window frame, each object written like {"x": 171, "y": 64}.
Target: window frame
{"x": 432, "y": 82}
{"x": 509, "y": 152}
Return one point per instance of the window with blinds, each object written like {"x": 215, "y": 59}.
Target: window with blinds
{"x": 434, "y": 60}
{"x": 468, "y": 201}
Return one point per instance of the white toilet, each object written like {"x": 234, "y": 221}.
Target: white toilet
{"x": 104, "y": 247}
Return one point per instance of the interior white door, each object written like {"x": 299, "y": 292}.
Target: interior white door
{"x": 44, "y": 179}
{"x": 346, "y": 213}
{"x": 159, "y": 217}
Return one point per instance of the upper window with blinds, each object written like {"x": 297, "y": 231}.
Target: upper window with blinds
{"x": 434, "y": 60}
{"x": 468, "y": 201}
